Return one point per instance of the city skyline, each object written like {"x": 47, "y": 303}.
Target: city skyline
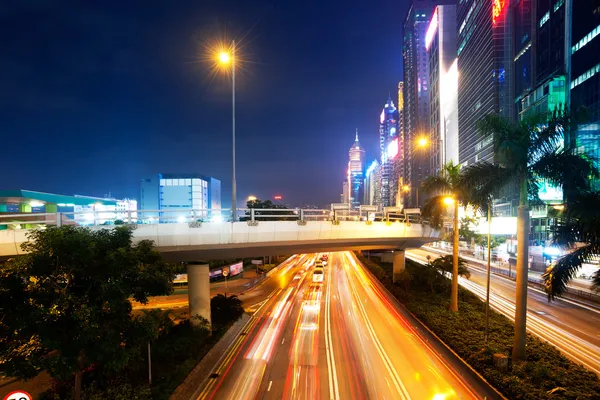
{"x": 110, "y": 106}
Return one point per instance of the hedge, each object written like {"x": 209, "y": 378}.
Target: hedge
{"x": 546, "y": 373}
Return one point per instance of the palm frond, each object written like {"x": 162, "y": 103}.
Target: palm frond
{"x": 436, "y": 184}
{"x": 434, "y": 210}
{"x": 484, "y": 180}
{"x": 547, "y": 131}
{"x": 511, "y": 140}
{"x": 564, "y": 168}
{"x": 557, "y": 277}
{"x": 579, "y": 221}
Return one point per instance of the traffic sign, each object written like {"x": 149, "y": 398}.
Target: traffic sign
{"x": 18, "y": 395}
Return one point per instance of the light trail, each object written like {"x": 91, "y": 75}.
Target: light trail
{"x": 574, "y": 347}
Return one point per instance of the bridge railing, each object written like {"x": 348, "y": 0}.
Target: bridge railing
{"x": 190, "y": 216}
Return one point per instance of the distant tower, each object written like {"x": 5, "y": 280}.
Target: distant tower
{"x": 356, "y": 172}
{"x": 389, "y": 145}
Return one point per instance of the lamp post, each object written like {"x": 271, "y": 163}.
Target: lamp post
{"x": 229, "y": 58}
{"x": 487, "y": 291}
{"x": 454, "y": 291}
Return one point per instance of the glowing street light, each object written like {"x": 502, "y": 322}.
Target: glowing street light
{"x": 406, "y": 188}
{"x": 252, "y": 198}
{"x": 448, "y": 200}
{"x": 224, "y": 57}
{"x": 422, "y": 142}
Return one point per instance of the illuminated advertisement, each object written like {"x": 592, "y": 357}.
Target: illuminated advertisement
{"x": 236, "y": 269}
{"x": 549, "y": 192}
{"x": 392, "y": 149}
{"x": 497, "y": 7}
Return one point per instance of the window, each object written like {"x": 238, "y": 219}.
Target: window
{"x": 586, "y": 39}
{"x": 545, "y": 18}
{"x": 558, "y": 4}
{"x": 585, "y": 76}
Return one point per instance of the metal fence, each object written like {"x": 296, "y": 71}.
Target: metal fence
{"x": 139, "y": 217}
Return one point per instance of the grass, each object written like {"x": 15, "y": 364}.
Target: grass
{"x": 545, "y": 369}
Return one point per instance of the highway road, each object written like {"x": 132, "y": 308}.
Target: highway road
{"x": 572, "y": 327}
{"x": 342, "y": 339}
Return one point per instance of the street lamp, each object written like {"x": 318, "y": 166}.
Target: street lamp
{"x": 422, "y": 142}
{"x": 454, "y": 292}
{"x": 226, "y": 58}
{"x": 251, "y": 198}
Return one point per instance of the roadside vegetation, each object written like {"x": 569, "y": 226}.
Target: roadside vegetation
{"x": 545, "y": 374}
{"x": 65, "y": 308}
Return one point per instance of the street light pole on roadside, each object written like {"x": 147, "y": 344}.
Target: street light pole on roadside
{"x": 229, "y": 58}
{"x": 487, "y": 292}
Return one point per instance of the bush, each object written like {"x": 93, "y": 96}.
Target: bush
{"x": 545, "y": 369}
{"x": 225, "y": 309}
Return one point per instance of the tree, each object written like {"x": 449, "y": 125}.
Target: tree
{"x": 65, "y": 305}
{"x": 449, "y": 183}
{"x": 225, "y": 309}
{"x": 444, "y": 265}
{"x": 577, "y": 230}
{"x": 526, "y": 153}
{"x": 260, "y": 215}
{"x": 495, "y": 240}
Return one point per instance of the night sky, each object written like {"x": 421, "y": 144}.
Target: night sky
{"x": 95, "y": 96}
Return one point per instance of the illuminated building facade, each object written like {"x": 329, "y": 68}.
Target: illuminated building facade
{"x": 399, "y": 163}
{"x": 180, "y": 192}
{"x": 356, "y": 169}
{"x": 585, "y": 73}
{"x": 440, "y": 42}
{"x": 389, "y": 148}
{"x": 484, "y": 65}
{"x": 416, "y": 92}
{"x": 372, "y": 185}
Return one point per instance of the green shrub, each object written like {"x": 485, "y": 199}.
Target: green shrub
{"x": 546, "y": 374}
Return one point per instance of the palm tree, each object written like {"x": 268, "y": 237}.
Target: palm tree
{"x": 450, "y": 183}
{"x": 578, "y": 229}
{"x": 526, "y": 153}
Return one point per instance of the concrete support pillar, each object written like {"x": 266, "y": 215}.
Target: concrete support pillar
{"x": 198, "y": 291}
{"x": 24, "y": 208}
{"x": 399, "y": 264}
{"x": 51, "y": 208}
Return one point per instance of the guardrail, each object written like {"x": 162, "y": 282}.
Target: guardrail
{"x": 140, "y": 217}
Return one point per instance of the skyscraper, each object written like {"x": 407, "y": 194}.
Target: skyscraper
{"x": 356, "y": 169}
{"x": 389, "y": 147}
{"x": 440, "y": 42}
{"x": 416, "y": 91}
{"x": 585, "y": 72}
{"x": 372, "y": 184}
{"x": 483, "y": 82}
{"x": 399, "y": 163}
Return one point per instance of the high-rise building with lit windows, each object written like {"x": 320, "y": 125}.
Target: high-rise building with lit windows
{"x": 175, "y": 195}
{"x": 389, "y": 148}
{"x": 484, "y": 66}
{"x": 372, "y": 185}
{"x": 416, "y": 92}
{"x": 356, "y": 169}
{"x": 440, "y": 42}
{"x": 585, "y": 73}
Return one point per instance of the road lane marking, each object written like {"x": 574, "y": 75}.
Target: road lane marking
{"x": 334, "y": 393}
{"x": 283, "y": 341}
{"x": 269, "y": 388}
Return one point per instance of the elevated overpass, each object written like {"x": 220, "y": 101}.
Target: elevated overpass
{"x": 260, "y": 232}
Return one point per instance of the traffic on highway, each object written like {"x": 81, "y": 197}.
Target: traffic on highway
{"x": 328, "y": 329}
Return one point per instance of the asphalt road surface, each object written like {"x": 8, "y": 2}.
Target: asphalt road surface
{"x": 344, "y": 338}
{"x": 573, "y": 327}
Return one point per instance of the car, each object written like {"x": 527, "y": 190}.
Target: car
{"x": 325, "y": 257}
{"x": 318, "y": 275}
{"x": 319, "y": 264}
{"x": 298, "y": 276}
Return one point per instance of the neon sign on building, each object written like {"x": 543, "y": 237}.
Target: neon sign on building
{"x": 497, "y": 7}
